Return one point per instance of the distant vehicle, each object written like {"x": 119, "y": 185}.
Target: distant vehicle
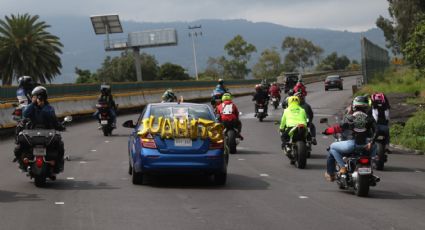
{"x": 333, "y": 81}
{"x": 153, "y": 153}
{"x": 290, "y": 80}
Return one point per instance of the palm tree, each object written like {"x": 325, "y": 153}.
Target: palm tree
{"x": 26, "y": 48}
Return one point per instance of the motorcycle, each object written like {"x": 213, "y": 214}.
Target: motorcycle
{"x": 359, "y": 174}
{"x": 261, "y": 112}
{"x": 41, "y": 156}
{"x": 275, "y": 102}
{"x": 105, "y": 118}
{"x": 231, "y": 136}
{"x": 297, "y": 150}
{"x": 18, "y": 112}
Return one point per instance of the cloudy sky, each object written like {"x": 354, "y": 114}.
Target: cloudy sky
{"x": 352, "y": 15}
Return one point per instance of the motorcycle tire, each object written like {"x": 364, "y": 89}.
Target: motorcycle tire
{"x": 40, "y": 180}
{"x": 301, "y": 155}
{"x": 260, "y": 117}
{"x": 275, "y": 105}
{"x": 361, "y": 186}
{"x": 231, "y": 141}
{"x": 380, "y": 152}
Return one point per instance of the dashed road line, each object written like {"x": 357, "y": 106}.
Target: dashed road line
{"x": 303, "y": 197}
{"x": 59, "y": 203}
{"x": 264, "y": 175}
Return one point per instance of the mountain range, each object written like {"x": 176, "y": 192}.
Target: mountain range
{"x": 85, "y": 50}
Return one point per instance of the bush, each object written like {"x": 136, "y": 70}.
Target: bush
{"x": 412, "y": 135}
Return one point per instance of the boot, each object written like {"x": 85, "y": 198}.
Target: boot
{"x": 313, "y": 141}
{"x": 329, "y": 177}
{"x": 343, "y": 170}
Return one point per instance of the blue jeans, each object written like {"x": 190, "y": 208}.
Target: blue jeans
{"x": 385, "y": 130}
{"x": 340, "y": 149}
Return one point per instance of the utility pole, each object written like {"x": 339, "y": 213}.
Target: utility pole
{"x": 193, "y": 33}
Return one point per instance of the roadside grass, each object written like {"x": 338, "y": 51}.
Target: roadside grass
{"x": 412, "y": 135}
{"x": 397, "y": 81}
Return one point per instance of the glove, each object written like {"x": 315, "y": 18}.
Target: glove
{"x": 333, "y": 129}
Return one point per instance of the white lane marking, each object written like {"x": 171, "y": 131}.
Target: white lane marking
{"x": 325, "y": 137}
{"x": 83, "y": 162}
{"x": 60, "y": 203}
{"x": 93, "y": 150}
{"x": 241, "y": 159}
{"x": 107, "y": 141}
{"x": 264, "y": 175}
{"x": 418, "y": 171}
{"x": 70, "y": 178}
{"x": 303, "y": 197}
{"x": 323, "y": 115}
{"x": 124, "y": 178}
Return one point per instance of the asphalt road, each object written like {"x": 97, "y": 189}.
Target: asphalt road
{"x": 263, "y": 191}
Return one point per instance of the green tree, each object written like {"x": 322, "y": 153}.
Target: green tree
{"x": 240, "y": 52}
{"x": 302, "y": 53}
{"x": 333, "y": 62}
{"x": 169, "y": 71}
{"x": 27, "y": 48}
{"x": 215, "y": 68}
{"x": 404, "y": 16}
{"x": 269, "y": 65}
{"x": 290, "y": 63}
{"x": 85, "y": 76}
{"x": 415, "y": 47}
{"x": 122, "y": 68}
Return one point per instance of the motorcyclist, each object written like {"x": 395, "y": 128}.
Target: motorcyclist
{"x": 169, "y": 96}
{"x": 300, "y": 87}
{"x": 265, "y": 85}
{"x": 25, "y": 86}
{"x": 291, "y": 117}
{"x": 218, "y": 92}
{"x": 285, "y": 101}
{"x": 229, "y": 114}
{"x": 310, "y": 116}
{"x": 39, "y": 114}
{"x": 275, "y": 91}
{"x": 381, "y": 113}
{"x": 260, "y": 97}
{"x": 362, "y": 126}
{"x": 106, "y": 97}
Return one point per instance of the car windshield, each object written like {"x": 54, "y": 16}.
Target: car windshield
{"x": 181, "y": 111}
{"x": 332, "y": 78}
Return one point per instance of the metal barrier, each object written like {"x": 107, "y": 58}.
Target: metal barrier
{"x": 374, "y": 59}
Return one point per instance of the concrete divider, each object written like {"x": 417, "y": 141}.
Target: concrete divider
{"x": 83, "y": 105}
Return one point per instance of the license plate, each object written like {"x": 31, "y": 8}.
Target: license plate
{"x": 183, "y": 142}
{"x": 104, "y": 122}
{"x": 364, "y": 171}
{"x": 380, "y": 138}
{"x": 260, "y": 110}
{"x": 39, "y": 151}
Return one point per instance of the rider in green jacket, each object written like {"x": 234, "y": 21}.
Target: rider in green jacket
{"x": 292, "y": 116}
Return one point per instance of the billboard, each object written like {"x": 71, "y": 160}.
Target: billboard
{"x": 152, "y": 38}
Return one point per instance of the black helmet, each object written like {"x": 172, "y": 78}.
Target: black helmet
{"x": 220, "y": 81}
{"x": 291, "y": 92}
{"x": 360, "y": 103}
{"x": 40, "y": 92}
{"x": 25, "y": 81}
{"x": 105, "y": 89}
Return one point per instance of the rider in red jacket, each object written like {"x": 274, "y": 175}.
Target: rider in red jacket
{"x": 299, "y": 87}
{"x": 229, "y": 113}
{"x": 275, "y": 91}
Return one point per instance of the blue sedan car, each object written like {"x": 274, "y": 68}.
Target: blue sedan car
{"x": 157, "y": 154}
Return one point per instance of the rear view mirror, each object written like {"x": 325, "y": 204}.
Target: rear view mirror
{"x": 323, "y": 120}
{"x": 67, "y": 119}
{"x": 128, "y": 124}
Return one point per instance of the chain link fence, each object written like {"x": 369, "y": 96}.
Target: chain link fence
{"x": 374, "y": 59}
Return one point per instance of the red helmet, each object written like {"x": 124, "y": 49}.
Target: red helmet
{"x": 257, "y": 87}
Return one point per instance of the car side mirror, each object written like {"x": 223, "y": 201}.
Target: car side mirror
{"x": 67, "y": 119}
{"x": 128, "y": 124}
{"x": 323, "y": 120}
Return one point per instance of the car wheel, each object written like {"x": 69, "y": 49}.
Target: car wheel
{"x": 220, "y": 178}
{"x": 137, "y": 177}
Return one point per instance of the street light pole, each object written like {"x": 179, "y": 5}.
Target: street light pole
{"x": 194, "y": 34}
